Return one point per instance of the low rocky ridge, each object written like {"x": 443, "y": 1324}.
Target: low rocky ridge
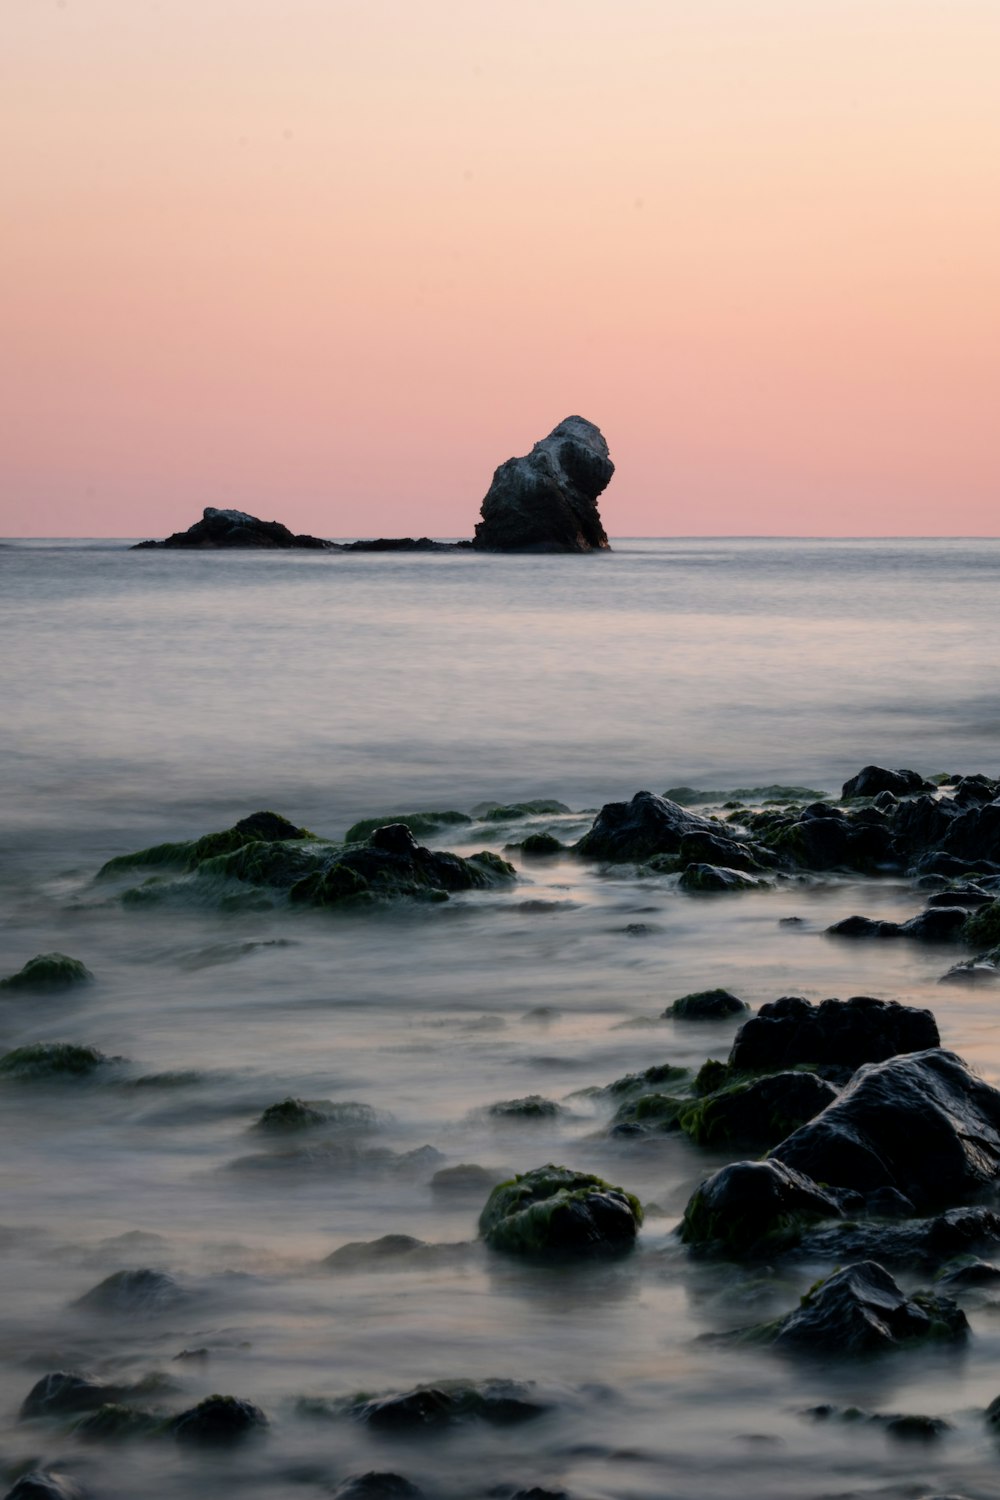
{"x": 546, "y": 501}
{"x": 265, "y": 855}
{"x": 48, "y": 971}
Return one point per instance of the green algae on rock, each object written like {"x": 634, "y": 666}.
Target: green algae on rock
{"x": 48, "y": 971}
{"x": 307, "y": 1114}
{"x": 531, "y": 1107}
{"x": 707, "y": 1005}
{"x": 754, "y": 1208}
{"x": 43, "y": 1060}
{"x": 982, "y": 928}
{"x": 554, "y": 1211}
{"x": 258, "y": 828}
{"x": 418, "y": 824}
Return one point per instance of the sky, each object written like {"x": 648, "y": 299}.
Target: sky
{"x": 332, "y": 261}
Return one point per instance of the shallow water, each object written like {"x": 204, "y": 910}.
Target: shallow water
{"x": 163, "y": 696}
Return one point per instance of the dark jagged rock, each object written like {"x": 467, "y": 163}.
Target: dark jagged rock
{"x": 48, "y": 971}
{"x": 982, "y": 928}
{"x": 376, "y": 1485}
{"x": 46, "y": 1484}
{"x": 938, "y": 924}
{"x": 500, "y": 1402}
{"x": 62, "y": 1391}
{"x": 969, "y": 897}
{"x": 706, "y": 1005}
{"x": 702, "y": 847}
{"x": 143, "y": 1293}
{"x": 926, "y": 1243}
{"x": 392, "y": 863}
{"x": 639, "y": 829}
{"x": 874, "y": 779}
{"x": 716, "y": 878}
{"x": 401, "y": 544}
{"x": 115, "y": 1422}
{"x": 753, "y": 1208}
{"x": 969, "y": 1274}
{"x": 554, "y": 1211}
{"x": 790, "y": 1032}
{"x": 648, "y": 1081}
{"x": 235, "y": 528}
{"x": 974, "y": 836}
{"x": 546, "y": 501}
{"x": 307, "y": 1114}
{"x": 861, "y": 1310}
{"x": 921, "y": 1123}
{"x": 218, "y": 1421}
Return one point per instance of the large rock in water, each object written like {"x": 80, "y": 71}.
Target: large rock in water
{"x": 923, "y": 1124}
{"x": 861, "y": 1310}
{"x": 546, "y": 501}
{"x": 790, "y": 1032}
{"x": 639, "y": 829}
{"x": 235, "y": 528}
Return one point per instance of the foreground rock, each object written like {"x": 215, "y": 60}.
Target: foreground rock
{"x": 861, "y": 1310}
{"x": 637, "y": 830}
{"x": 218, "y": 1421}
{"x": 945, "y": 1244}
{"x": 48, "y": 971}
{"x": 235, "y": 528}
{"x": 923, "y": 1124}
{"x": 546, "y": 501}
{"x": 554, "y": 1211}
{"x": 265, "y": 853}
{"x": 46, "y": 1484}
{"x": 753, "y": 1208}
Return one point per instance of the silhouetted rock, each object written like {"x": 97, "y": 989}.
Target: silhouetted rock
{"x": 376, "y": 1485}
{"x": 861, "y": 1310}
{"x": 639, "y": 829}
{"x": 48, "y": 971}
{"x": 751, "y": 1208}
{"x": 790, "y": 1032}
{"x": 235, "y": 528}
{"x": 874, "y": 779}
{"x": 218, "y": 1421}
{"x": 546, "y": 501}
{"x": 45, "y": 1485}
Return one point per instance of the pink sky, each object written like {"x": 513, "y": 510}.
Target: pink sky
{"x": 331, "y": 261}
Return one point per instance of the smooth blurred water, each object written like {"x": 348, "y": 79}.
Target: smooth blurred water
{"x": 162, "y": 695}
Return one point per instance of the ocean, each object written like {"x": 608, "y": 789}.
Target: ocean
{"x": 158, "y": 696}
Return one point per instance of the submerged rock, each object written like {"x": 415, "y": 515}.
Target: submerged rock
{"x": 531, "y": 1107}
{"x": 53, "y": 1060}
{"x": 639, "y": 829}
{"x": 290, "y": 1115}
{"x": 647, "y": 1081}
{"x": 376, "y": 1485}
{"x": 46, "y": 1484}
{"x": 537, "y": 844}
{"x": 115, "y": 1422}
{"x": 930, "y": 1244}
{"x": 756, "y": 1112}
{"x": 419, "y": 824}
{"x": 218, "y": 1420}
{"x": 706, "y": 1005}
{"x": 48, "y": 971}
{"x": 753, "y": 1208}
{"x": 546, "y": 501}
{"x": 790, "y": 1032}
{"x": 500, "y": 1402}
{"x": 466, "y": 1178}
{"x": 922, "y": 1123}
{"x": 861, "y": 1310}
{"x": 367, "y": 1255}
{"x": 63, "y": 1391}
{"x": 554, "y": 1211}
{"x": 938, "y": 924}
{"x": 143, "y": 1293}
{"x": 236, "y": 528}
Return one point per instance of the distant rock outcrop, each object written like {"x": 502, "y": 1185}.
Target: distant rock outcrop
{"x": 546, "y": 501}
{"x": 235, "y": 528}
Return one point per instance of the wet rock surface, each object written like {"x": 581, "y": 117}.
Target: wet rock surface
{"x": 636, "y": 830}
{"x": 707, "y": 1005}
{"x": 861, "y": 1310}
{"x": 753, "y": 1208}
{"x": 836, "y": 1033}
{"x": 546, "y": 501}
{"x": 554, "y": 1211}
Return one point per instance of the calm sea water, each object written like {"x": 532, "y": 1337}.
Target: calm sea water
{"x": 155, "y": 695}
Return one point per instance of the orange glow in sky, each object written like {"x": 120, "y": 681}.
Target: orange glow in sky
{"x": 331, "y": 261}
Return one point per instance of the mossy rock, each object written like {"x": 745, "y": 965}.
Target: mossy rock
{"x": 712, "y": 1075}
{"x": 218, "y": 1421}
{"x": 647, "y": 1081}
{"x": 536, "y": 808}
{"x": 718, "y": 878}
{"x": 541, "y": 844}
{"x": 259, "y": 827}
{"x": 707, "y": 1005}
{"x": 291, "y": 1114}
{"x": 982, "y": 928}
{"x": 756, "y": 1112}
{"x": 750, "y": 1209}
{"x": 48, "y": 971}
{"x": 554, "y": 1211}
{"x": 531, "y": 1107}
{"x": 419, "y": 824}
{"x": 53, "y": 1060}
{"x": 114, "y": 1422}
{"x": 660, "y": 1110}
{"x": 690, "y": 796}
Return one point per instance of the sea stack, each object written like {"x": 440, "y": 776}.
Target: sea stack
{"x": 546, "y": 501}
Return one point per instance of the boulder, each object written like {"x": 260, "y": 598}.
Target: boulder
{"x": 531, "y": 1107}
{"x": 861, "y": 1310}
{"x": 51, "y": 1061}
{"x": 500, "y": 1402}
{"x": 791, "y": 1032}
{"x": 546, "y": 501}
{"x": 236, "y": 528}
{"x": 639, "y": 829}
{"x": 290, "y": 1115}
{"x": 874, "y": 779}
{"x": 908, "y": 1241}
{"x": 757, "y": 1112}
{"x": 133, "y": 1294}
{"x": 753, "y": 1208}
{"x": 63, "y": 1392}
{"x": 716, "y": 878}
{"x": 45, "y": 1484}
{"x": 377, "y": 1485}
{"x": 922, "y": 1123}
{"x": 554, "y": 1212}
{"x": 937, "y": 924}
{"x": 48, "y": 971}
